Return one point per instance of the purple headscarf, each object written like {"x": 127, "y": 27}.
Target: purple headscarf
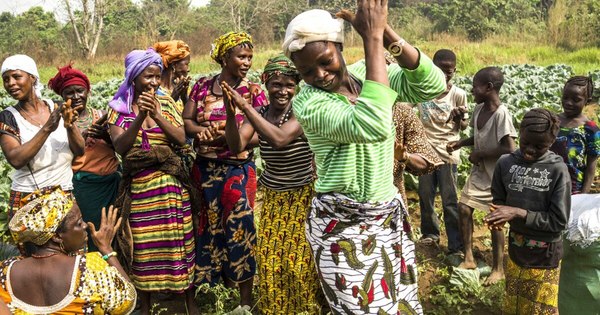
{"x": 135, "y": 63}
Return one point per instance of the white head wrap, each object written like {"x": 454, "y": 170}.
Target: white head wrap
{"x": 24, "y": 63}
{"x": 312, "y": 26}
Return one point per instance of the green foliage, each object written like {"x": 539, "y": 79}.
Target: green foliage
{"x": 217, "y": 299}
{"x": 479, "y": 19}
{"x": 449, "y": 299}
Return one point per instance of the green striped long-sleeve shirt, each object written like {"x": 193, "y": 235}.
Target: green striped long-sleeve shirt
{"x": 354, "y": 144}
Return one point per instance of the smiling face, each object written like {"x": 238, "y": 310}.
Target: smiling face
{"x": 574, "y": 99}
{"x": 73, "y": 230}
{"x": 534, "y": 144}
{"x": 321, "y": 65}
{"x": 148, "y": 79}
{"x": 18, "y": 83}
{"x": 281, "y": 89}
{"x": 237, "y": 61}
{"x": 78, "y": 95}
{"x": 181, "y": 67}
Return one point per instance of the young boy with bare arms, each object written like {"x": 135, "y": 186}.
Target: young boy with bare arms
{"x": 493, "y": 136}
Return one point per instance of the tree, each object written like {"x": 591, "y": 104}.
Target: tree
{"x": 87, "y": 20}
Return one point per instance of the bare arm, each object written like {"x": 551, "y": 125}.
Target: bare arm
{"x": 123, "y": 139}
{"x": 76, "y": 141}
{"x": 17, "y": 154}
{"x": 237, "y": 138}
{"x": 275, "y": 136}
{"x": 455, "y": 145}
{"x": 409, "y": 58}
{"x": 102, "y": 238}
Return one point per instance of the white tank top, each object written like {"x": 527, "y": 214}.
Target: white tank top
{"x": 51, "y": 166}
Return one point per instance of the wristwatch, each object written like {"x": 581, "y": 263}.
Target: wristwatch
{"x": 397, "y": 47}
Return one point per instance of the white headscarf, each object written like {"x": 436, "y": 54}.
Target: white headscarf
{"x": 24, "y": 63}
{"x": 312, "y": 26}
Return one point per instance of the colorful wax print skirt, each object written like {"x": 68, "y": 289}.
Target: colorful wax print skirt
{"x": 288, "y": 281}
{"x": 226, "y": 236}
{"x": 531, "y": 291}
{"x": 364, "y": 255}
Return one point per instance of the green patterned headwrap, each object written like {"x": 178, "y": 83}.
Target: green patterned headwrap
{"x": 277, "y": 65}
{"x": 227, "y": 41}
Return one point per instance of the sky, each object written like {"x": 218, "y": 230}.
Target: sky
{"x": 19, "y": 6}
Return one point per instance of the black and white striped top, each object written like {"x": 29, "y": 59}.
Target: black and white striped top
{"x": 287, "y": 168}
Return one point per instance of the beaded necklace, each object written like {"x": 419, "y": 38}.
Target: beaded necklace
{"x": 86, "y": 122}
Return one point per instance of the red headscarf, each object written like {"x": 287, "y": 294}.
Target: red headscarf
{"x": 68, "y": 76}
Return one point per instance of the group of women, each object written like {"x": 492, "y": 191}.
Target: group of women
{"x": 67, "y": 170}
{"x": 331, "y": 234}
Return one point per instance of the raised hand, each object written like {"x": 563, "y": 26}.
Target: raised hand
{"x": 181, "y": 87}
{"x": 109, "y": 223}
{"x": 370, "y": 18}
{"x": 98, "y": 129}
{"x": 148, "y": 103}
{"x": 69, "y": 114}
{"x": 54, "y": 119}
{"x": 232, "y": 98}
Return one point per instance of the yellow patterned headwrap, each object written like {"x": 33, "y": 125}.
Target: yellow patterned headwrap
{"x": 171, "y": 51}
{"x": 227, "y": 41}
{"x": 39, "y": 219}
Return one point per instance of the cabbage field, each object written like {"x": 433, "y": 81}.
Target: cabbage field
{"x": 526, "y": 87}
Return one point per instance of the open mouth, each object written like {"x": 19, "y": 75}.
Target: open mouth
{"x": 327, "y": 84}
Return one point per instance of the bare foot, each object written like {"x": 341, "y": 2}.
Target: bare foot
{"x": 494, "y": 277}
{"x": 468, "y": 264}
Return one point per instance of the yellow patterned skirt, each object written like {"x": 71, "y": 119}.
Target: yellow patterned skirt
{"x": 288, "y": 281}
{"x": 531, "y": 291}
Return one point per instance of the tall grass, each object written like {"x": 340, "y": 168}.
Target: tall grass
{"x": 472, "y": 56}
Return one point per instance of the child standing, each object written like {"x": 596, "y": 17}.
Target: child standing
{"x": 531, "y": 191}
{"x": 493, "y": 134}
{"x": 443, "y": 118}
{"x": 578, "y": 141}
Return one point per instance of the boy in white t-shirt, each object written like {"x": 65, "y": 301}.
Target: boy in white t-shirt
{"x": 443, "y": 119}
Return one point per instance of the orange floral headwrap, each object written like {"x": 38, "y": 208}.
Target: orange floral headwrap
{"x": 171, "y": 51}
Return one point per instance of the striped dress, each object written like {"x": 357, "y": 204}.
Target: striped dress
{"x": 161, "y": 215}
{"x": 287, "y": 280}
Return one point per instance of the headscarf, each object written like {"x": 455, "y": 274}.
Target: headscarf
{"x": 277, "y": 65}
{"x": 38, "y": 220}
{"x": 24, "y": 63}
{"x": 171, "y": 51}
{"x": 68, "y": 76}
{"x": 227, "y": 41}
{"x": 312, "y": 26}
{"x": 135, "y": 63}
